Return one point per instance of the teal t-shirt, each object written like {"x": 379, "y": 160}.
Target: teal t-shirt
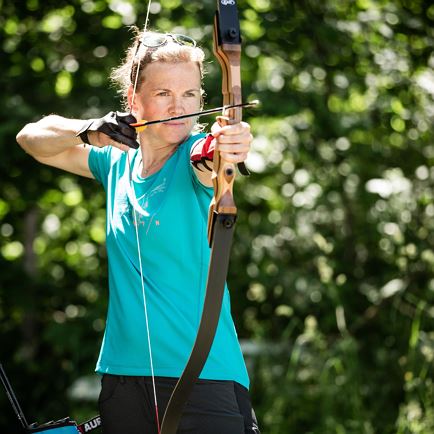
{"x": 171, "y": 216}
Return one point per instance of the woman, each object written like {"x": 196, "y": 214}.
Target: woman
{"x": 157, "y": 204}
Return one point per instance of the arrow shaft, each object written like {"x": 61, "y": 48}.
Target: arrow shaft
{"x": 144, "y": 123}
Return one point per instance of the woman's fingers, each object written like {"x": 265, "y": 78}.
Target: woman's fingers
{"x": 101, "y": 140}
{"x": 233, "y": 141}
{"x": 234, "y": 157}
{"x": 121, "y": 146}
{"x": 230, "y": 130}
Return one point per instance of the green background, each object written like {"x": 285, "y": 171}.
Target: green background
{"x": 331, "y": 276}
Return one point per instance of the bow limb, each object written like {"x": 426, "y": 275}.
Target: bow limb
{"x": 222, "y": 215}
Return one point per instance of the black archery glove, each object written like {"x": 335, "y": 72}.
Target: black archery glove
{"x": 115, "y": 125}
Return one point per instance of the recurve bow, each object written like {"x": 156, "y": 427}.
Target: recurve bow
{"x": 222, "y": 214}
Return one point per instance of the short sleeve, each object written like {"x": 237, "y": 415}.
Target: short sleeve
{"x": 100, "y": 161}
{"x": 197, "y": 184}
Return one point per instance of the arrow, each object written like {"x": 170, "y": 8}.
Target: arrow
{"x": 141, "y": 125}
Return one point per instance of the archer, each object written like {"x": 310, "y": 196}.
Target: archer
{"x": 158, "y": 184}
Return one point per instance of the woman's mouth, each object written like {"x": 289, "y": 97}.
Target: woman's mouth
{"x": 174, "y": 123}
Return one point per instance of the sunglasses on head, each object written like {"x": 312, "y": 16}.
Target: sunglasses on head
{"x": 154, "y": 40}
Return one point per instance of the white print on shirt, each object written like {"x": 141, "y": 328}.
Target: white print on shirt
{"x": 145, "y": 201}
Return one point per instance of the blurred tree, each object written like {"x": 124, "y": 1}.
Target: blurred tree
{"x": 332, "y": 265}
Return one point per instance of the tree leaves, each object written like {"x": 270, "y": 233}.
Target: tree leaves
{"x": 332, "y": 265}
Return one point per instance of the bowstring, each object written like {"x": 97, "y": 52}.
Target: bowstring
{"x": 136, "y": 79}
{"x": 136, "y": 225}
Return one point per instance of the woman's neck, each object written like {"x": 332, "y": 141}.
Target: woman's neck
{"x": 153, "y": 159}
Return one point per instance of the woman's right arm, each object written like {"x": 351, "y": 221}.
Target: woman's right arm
{"x": 53, "y": 141}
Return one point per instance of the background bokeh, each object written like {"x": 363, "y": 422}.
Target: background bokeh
{"x": 331, "y": 278}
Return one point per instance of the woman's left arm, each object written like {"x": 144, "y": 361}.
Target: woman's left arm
{"x": 233, "y": 142}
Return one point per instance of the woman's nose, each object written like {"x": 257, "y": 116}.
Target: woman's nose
{"x": 176, "y": 106}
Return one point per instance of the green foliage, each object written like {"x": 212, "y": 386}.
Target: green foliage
{"x": 332, "y": 265}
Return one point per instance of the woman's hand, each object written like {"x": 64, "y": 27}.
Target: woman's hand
{"x": 233, "y": 141}
{"x": 100, "y": 140}
{"x": 113, "y": 129}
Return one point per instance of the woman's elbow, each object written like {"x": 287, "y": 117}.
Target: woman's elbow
{"x": 22, "y": 137}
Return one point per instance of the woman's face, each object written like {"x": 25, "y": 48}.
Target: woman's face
{"x": 168, "y": 90}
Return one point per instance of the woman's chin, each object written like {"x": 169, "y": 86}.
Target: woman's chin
{"x": 176, "y": 135}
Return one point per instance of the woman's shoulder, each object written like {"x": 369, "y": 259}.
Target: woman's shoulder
{"x": 104, "y": 160}
{"x": 190, "y": 142}
{"x": 112, "y": 155}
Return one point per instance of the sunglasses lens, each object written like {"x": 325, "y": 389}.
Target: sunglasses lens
{"x": 153, "y": 40}
{"x": 184, "y": 40}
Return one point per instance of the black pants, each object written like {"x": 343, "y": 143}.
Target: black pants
{"x": 126, "y": 406}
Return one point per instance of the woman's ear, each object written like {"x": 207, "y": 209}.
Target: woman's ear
{"x": 130, "y": 99}
{"x": 202, "y": 98}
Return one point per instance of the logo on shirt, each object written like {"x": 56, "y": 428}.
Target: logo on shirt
{"x": 145, "y": 205}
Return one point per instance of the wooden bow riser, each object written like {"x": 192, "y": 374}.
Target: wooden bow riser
{"x": 223, "y": 175}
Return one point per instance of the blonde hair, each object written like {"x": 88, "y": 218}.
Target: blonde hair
{"x": 139, "y": 56}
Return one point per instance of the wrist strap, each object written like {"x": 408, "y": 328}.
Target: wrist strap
{"x": 206, "y": 153}
{"x": 82, "y": 133}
